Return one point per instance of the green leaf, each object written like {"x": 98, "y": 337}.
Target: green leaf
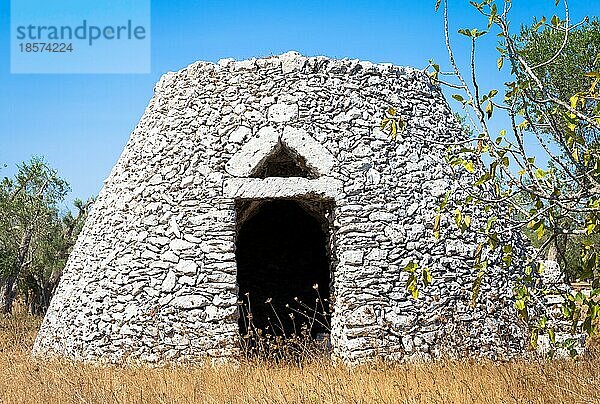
{"x": 445, "y": 200}
{"x": 436, "y": 226}
{"x": 490, "y": 223}
{"x": 493, "y": 13}
{"x": 520, "y": 304}
{"x": 458, "y": 97}
{"x": 426, "y": 277}
{"x": 457, "y": 217}
{"x": 412, "y": 286}
{"x": 534, "y": 338}
{"x": 489, "y": 109}
{"x": 523, "y": 125}
{"x": 465, "y": 32}
{"x": 551, "y": 335}
{"x": 590, "y": 228}
{"x": 384, "y": 123}
{"x": 469, "y": 166}
{"x": 393, "y": 129}
{"x": 594, "y": 74}
{"x": 539, "y": 173}
{"x": 566, "y": 311}
{"x": 477, "y": 283}
{"x": 540, "y": 231}
{"x": 493, "y": 240}
{"x": 411, "y": 267}
{"x": 475, "y": 33}
{"x": 483, "y": 179}
{"x": 477, "y": 253}
{"x": 588, "y": 326}
{"x": 537, "y": 26}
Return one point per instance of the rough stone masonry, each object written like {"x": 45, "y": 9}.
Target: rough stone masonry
{"x": 153, "y": 274}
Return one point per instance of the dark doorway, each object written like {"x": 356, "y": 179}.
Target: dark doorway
{"x": 283, "y": 266}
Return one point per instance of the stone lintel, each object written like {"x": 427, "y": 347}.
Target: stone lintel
{"x": 276, "y": 187}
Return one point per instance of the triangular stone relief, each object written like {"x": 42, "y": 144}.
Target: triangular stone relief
{"x": 292, "y": 153}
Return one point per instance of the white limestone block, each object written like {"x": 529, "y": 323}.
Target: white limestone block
{"x": 282, "y": 112}
{"x": 276, "y": 187}
{"x": 186, "y": 267}
{"x": 190, "y": 302}
{"x": 291, "y": 61}
{"x": 253, "y": 152}
{"x": 317, "y": 157}
{"x": 169, "y": 283}
{"x": 352, "y": 257}
{"x": 179, "y": 245}
{"x": 239, "y": 134}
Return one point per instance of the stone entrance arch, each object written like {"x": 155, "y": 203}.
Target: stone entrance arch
{"x": 283, "y": 266}
{"x": 284, "y": 200}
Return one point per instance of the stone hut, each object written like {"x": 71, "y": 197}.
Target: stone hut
{"x": 267, "y": 183}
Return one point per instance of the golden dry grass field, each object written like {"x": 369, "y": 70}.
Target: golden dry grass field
{"x": 24, "y": 380}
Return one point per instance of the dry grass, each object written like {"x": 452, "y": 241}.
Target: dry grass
{"x": 23, "y": 380}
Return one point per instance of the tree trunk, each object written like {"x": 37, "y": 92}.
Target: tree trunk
{"x": 7, "y": 294}
{"x": 9, "y": 286}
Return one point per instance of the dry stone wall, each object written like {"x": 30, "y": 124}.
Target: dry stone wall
{"x": 153, "y": 274}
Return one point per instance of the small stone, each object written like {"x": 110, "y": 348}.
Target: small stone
{"x": 382, "y": 216}
{"x": 225, "y": 62}
{"x": 412, "y": 209}
{"x": 174, "y": 228}
{"x": 373, "y": 177}
{"x": 190, "y": 302}
{"x": 283, "y": 112}
{"x": 291, "y": 61}
{"x": 187, "y": 181}
{"x": 169, "y": 283}
{"x": 179, "y": 244}
{"x": 353, "y": 257}
{"x": 187, "y": 280}
{"x": 377, "y": 255}
{"x": 239, "y": 134}
{"x": 551, "y": 273}
{"x": 186, "y": 267}
{"x": 156, "y": 179}
{"x": 407, "y": 343}
{"x": 211, "y": 313}
{"x": 169, "y": 256}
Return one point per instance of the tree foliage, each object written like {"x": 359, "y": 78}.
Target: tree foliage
{"x": 35, "y": 237}
{"x": 550, "y": 103}
{"x": 566, "y": 75}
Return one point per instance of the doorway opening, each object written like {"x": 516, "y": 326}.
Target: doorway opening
{"x": 283, "y": 262}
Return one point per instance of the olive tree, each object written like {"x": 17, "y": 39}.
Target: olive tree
{"x": 35, "y": 237}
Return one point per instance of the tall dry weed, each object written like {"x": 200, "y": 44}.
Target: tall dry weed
{"x": 24, "y": 380}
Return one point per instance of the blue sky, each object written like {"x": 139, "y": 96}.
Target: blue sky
{"x": 80, "y": 123}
